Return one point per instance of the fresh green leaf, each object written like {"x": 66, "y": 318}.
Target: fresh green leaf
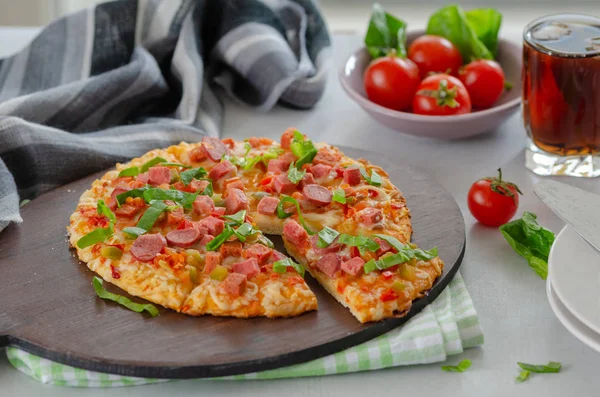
{"x": 131, "y": 171}
{"x": 184, "y": 198}
{"x": 139, "y": 192}
{"x": 326, "y": 236}
{"x": 151, "y": 215}
{"x": 450, "y": 22}
{"x": 243, "y": 231}
{"x": 374, "y": 179}
{"x": 121, "y": 300}
{"x": 461, "y": 367}
{"x": 170, "y": 164}
{"x": 97, "y": 235}
{"x": 23, "y": 202}
{"x": 281, "y": 213}
{"x": 551, "y": 367}
{"x": 486, "y": 22}
{"x": 405, "y": 253}
{"x": 281, "y": 266}
{"x": 146, "y": 166}
{"x": 104, "y": 210}
{"x": 339, "y": 195}
{"x": 370, "y": 266}
{"x": 187, "y": 175}
{"x": 295, "y": 175}
{"x": 363, "y": 243}
{"x": 208, "y": 190}
{"x": 302, "y": 148}
{"x": 523, "y": 376}
{"x": 530, "y": 240}
{"x": 385, "y": 33}
{"x": 237, "y": 218}
{"x": 392, "y": 241}
{"x": 134, "y": 231}
{"x": 219, "y": 239}
{"x": 272, "y": 154}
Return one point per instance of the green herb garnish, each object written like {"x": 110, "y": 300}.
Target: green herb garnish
{"x": 339, "y": 195}
{"x": 374, "y": 179}
{"x": 97, "y": 235}
{"x": 103, "y": 209}
{"x": 219, "y": 239}
{"x": 385, "y": 34}
{"x": 295, "y": 175}
{"x": 523, "y": 376}
{"x": 461, "y": 367}
{"x": 146, "y": 166}
{"x": 121, "y": 300}
{"x": 282, "y": 214}
{"x": 305, "y": 150}
{"x": 405, "y": 254}
{"x": 272, "y": 154}
{"x": 326, "y": 236}
{"x": 184, "y": 198}
{"x": 134, "y": 231}
{"x": 151, "y": 215}
{"x": 243, "y": 231}
{"x": 187, "y": 175}
{"x": 363, "y": 243}
{"x": 237, "y": 218}
{"x": 139, "y": 192}
{"x": 551, "y": 367}
{"x": 282, "y": 265}
{"x": 131, "y": 171}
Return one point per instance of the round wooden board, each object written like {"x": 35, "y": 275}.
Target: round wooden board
{"x": 48, "y": 306}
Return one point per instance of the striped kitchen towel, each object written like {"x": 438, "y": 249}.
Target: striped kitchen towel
{"x": 114, "y": 81}
{"x": 444, "y": 328}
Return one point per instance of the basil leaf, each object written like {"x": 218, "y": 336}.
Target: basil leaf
{"x": 139, "y": 192}
{"x": 339, "y": 195}
{"x": 486, "y": 22}
{"x": 305, "y": 150}
{"x": 237, "y": 218}
{"x": 551, "y": 367}
{"x": 184, "y": 198}
{"x": 450, "y": 22}
{"x": 243, "y": 231}
{"x": 97, "y": 235}
{"x": 281, "y": 214}
{"x": 530, "y": 240}
{"x": 282, "y": 265}
{"x": 219, "y": 239}
{"x": 461, "y": 367}
{"x": 361, "y": 242}
{"x": 104, "y": 210}
{"x": 187, "y": 175}
{"x": 295, "y": 175}
{"x": 374, "y": 179}
{"x": 151, "y": 163}
{"x": 151, "y": 215}
{"x": 170, "y": 164}
{"x": 523, "y": 376}
{"x": 385, "y": 32}
{"x": 121, "y": 300}
{"x": 134, "y": 231}
{"x": 131, "y": 171}
{"x": 272, "y": 154}
{"x": 326, "y": 236}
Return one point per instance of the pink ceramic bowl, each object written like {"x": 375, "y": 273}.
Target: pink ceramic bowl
{"x": 443, "y": 127}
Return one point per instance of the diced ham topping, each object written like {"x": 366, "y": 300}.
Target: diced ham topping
{"x": 287, "y": 158}
{"x": 283, "y": 185}
{"x": 326, "y": 156}
{"x": 218, "y": 212}
{"x": 317, "y": 195}
{"x": 259, "y": 252}
{"x": 231, "y": 248}
{"x": 212, "y": 259}
{"x": 197, "y": 186}
{"x": 294, "y": 233}
{"x": 127, "y": 211}
{"x": 371, "y": 216}
{"x": 213, "y": 225}
{"x": 147, "y": 246}
{"x": 203, "y": 205}
{"x": 112, "y": 202}
{"x": 277, "y": 166}
{"x": 234, "y": 284}
{"x": 384, "y": 246}
{"x": 221, "y": 170}
{"x": 231, "y": 183}
{"x": 287, "y": 138}
{"x": 352, "y": 176}
{"x": 213, "y": 148}
{"x": 235, "y": 201}
{"x": 320, "y": 170}
{"x": 353, "y": 266}
{"x": 249, "y": 267}
{"x": 197, "y": 154}
{"x": 206, "y": 239}
{"x": 143, "y": 177}
{"x": 159, "y": 175}
{"x": 184, "y": 238}
{"x": 328, "y": 264}
{"x": 267, "y": 205}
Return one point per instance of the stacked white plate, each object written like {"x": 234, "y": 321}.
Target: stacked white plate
{"x": 573, "y": 286}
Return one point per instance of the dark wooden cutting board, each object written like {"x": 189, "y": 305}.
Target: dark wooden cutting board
{"x": 48, "y": 306}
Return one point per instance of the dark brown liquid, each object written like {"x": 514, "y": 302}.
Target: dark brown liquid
{"x": 561, "y": 85}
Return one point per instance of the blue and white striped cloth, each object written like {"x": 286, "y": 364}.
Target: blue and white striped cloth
{"x": 111, "y": 82}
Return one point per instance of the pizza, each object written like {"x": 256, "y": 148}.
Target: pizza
{"x": 186, "y": 227}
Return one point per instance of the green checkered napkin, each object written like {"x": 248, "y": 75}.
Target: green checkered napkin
{"x": 446, "y": 327}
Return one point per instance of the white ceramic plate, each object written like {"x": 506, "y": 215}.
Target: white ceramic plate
{"x": 574, "y": 268}
{"x": 574, "y": 326}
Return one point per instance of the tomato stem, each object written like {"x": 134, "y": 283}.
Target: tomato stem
{"x": 444, "y": 96}
{"x": 502, "y": 187}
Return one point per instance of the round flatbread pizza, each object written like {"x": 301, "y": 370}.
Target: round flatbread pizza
{"x": 186, "y": 227}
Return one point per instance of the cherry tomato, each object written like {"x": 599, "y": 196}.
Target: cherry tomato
{"x": 484, "y": 81}
{"x": 492, "y": 201}
{"x": 441, "y": 95}
{"x": 391, "y": 81}
{"x": 435, "y": 54}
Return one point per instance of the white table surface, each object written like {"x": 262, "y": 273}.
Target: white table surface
{"x": 510, "y": 298}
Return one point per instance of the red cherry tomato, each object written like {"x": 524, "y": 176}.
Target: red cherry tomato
{"x": 441, "y": 95}
{"x": 435, "y": 54}
{"x": 391, "y": 82}
{"x": 484, "y": 81}
{"x": 492, "y": 201}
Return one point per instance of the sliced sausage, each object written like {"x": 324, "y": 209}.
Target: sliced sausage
{"x": 267, "y": 205}
{"x": 235, "y": 201}
{"x": 259, "y": 252}
{"x": 287, "y": 137}
{"x": 307, "y": 179}
{"x": 329, "y": 264}
{"x": 213, "y": 148}
{"x": 295, "y": 233}
{"x": 320, "y": 170}
{"x": 326, "y": 156}
{"x": 248, "y": 268}
{"x": 317, "y": 195}
{"x": 183, "y": 238}
{"x": 147, "y": 246}
{"x": 371, "y": 216}
{"x": 352, "y": 176}
{"x": 353, "y": 266}
{"x": 283, "y": 185}
{"x": 213, "y": 225}
{"x": 234, "y": 284}
{"x": 221, "y": 170}
{"x": 203, "y": 205}
{"x": 211, "y": 260}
